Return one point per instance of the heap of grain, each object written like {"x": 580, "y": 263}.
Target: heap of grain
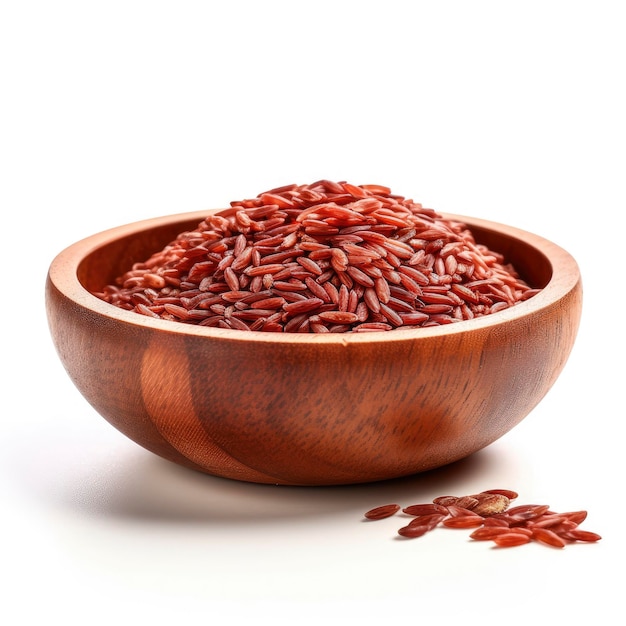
{"x": 318, "y": 258}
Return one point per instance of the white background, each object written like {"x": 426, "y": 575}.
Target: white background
{"x": 113, "y": 112}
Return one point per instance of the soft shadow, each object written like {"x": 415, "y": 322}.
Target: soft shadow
{"x": 149, "y": 488}
{"x": 105, "y": 476}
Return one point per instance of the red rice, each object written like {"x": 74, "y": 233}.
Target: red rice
{"x": 489, "y": 513}
{"x": 324, "y": 257}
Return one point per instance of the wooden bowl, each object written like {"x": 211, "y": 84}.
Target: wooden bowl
{"x": 310, "y": 409}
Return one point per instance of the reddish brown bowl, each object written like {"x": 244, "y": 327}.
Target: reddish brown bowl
{"x": 310, "y": 409}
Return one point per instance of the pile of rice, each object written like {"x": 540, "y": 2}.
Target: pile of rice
{"x": 318, "y": 258}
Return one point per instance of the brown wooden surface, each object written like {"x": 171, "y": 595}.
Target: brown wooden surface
{"x": 310, "y": 409}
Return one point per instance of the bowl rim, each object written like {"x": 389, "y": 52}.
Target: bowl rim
{"x": 63, "y": 274}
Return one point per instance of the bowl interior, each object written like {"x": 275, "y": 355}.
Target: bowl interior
{"x": 108, "y": 261}
{"x": 116, "y": 256}
{"x": 533, "y": 266}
